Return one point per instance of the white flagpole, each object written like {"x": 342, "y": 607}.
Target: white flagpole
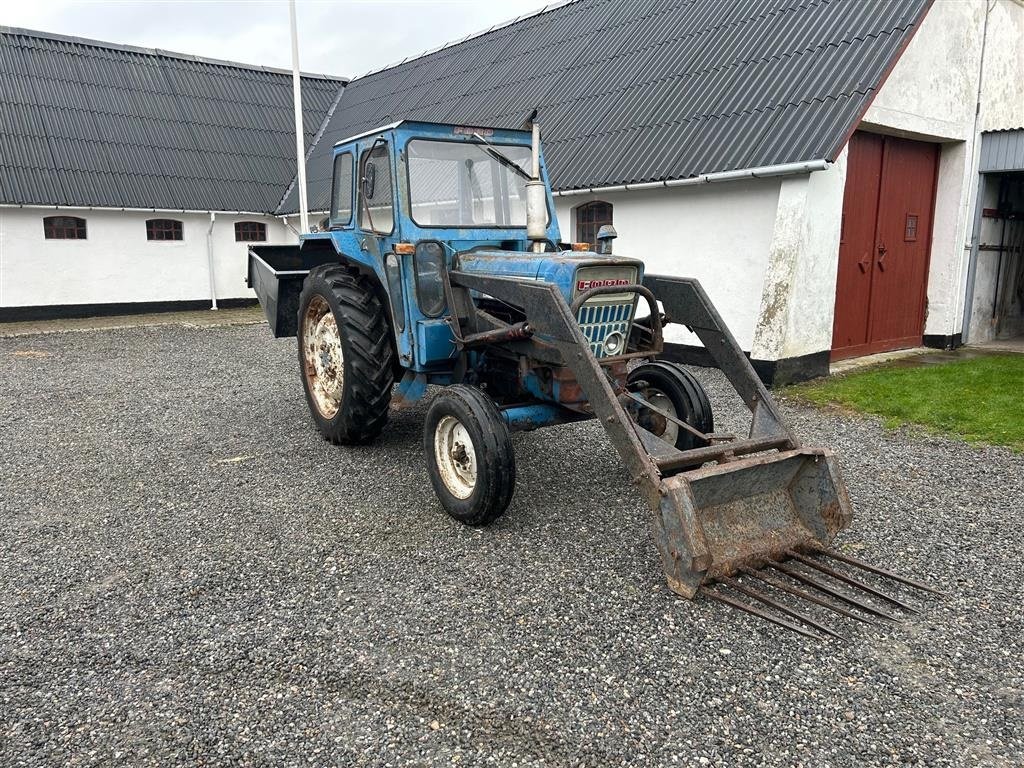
{"x": 300, "y": 148}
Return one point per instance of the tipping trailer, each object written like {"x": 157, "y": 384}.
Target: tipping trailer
{"x": 441, "y": 263}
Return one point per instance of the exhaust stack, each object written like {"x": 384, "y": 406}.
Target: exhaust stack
{"x": 536, "y": 199}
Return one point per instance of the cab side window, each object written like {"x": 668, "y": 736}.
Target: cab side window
{"x": 341, "y": 191}
{"x": 376, "y": 209}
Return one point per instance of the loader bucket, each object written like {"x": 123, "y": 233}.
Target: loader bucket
{"x": 750, "y": 511}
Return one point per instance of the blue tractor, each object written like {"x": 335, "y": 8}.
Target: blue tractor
{"x": 441, "y": 264}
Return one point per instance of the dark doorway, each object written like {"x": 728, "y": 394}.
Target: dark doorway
{"x": 884, "y": 246}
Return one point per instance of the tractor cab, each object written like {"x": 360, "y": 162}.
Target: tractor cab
{"x": 412, "y": 201}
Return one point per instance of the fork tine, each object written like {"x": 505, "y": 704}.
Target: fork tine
{"x": 880, "y": 571}
{"x": 850, "y": 580}
{"x": 740, "y": 605}
{"x": 803, "y": 594}
{"x": 751, "y": 592}
{"x": 803, "y": 577}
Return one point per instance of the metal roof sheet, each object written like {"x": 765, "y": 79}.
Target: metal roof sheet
{"x": 630, "y": 91}
{"x": 85, "y": 123}
{"x": 1002, "y": 151}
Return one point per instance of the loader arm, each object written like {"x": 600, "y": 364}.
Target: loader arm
{"x": 686, "y": 302}
{"x": 743, "y": 510}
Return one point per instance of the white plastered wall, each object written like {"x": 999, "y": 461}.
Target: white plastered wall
{"x": 718, "y": 233}
{"x": 117, "y": 264}
{"x": 797, "y": 304}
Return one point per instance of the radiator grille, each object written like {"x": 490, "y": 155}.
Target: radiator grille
{"x": 597, "y": 321}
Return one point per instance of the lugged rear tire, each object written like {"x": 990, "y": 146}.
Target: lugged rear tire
{"x": 469, "y": 453}
{"x": 670, "y": 384}
{"x": 343, "y": 329}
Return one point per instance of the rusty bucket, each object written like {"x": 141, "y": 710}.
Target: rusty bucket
{"x": 751, "y": 511}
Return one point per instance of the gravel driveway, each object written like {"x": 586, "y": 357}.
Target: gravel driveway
{"x": 190, "y": 575}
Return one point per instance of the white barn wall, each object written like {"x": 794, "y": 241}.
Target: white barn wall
{"x": 117, "y": 264}
{"x": 1002, "y": 98}
{"x": 718, "y": 233}
{"x": 797, "y": 306}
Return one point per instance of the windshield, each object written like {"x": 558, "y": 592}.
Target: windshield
{"x": 461, "y": 184}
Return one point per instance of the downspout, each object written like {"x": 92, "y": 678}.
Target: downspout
{"x": 1, "y": 258}
{"x": 972, "y": 261}
{"x": 209, "y": 261}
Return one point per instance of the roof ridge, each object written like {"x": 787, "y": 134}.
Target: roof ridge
{"x": 43, "y": 35}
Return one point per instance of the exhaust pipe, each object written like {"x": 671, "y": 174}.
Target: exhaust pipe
{"x": 536, "y": 200}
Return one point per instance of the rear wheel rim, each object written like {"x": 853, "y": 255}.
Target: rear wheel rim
{"x": 323, "y": 357}
{"x": 455, "y": 456}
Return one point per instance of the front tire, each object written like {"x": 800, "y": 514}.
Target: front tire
{"x": 673, "y": 389}
{"x": 345, "y": 354}
{"x": 470, "y": 459}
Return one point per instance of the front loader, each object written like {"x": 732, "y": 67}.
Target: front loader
{"x": 441, "y": 264}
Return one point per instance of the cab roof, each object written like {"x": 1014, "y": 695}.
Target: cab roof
{"x": 442, "y": 129}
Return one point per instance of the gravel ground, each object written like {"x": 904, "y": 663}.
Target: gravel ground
{"x": 190, "y": 575}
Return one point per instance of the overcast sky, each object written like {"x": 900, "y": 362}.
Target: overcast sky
{"x": 338, "y": 37}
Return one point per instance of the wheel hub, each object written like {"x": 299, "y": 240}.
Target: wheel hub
{"x": 456, "y": 457}
{"x": 653, "y": 421}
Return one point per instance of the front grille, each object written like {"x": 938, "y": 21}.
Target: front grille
{"x": 598, "y": 320}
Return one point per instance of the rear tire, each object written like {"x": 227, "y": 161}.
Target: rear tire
{"x": 675, "y": 390}
{"x": 470, "y": 459}
{"x": 345, "y": 354}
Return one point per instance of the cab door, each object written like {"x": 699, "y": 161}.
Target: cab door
{"x": 376, "y": 232}
{"x": 377, "y": 223}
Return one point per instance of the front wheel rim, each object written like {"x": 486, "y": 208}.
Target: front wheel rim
{"x": 456, "y": 457}
{"x": 323, "y": 357}
{"x": 660, "y": 400}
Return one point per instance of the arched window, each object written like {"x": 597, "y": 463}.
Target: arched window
{"x": 64, "y": 228}
{"x": 250, "y": 231}
{"x": 590, "y": 217}
{"x": 163, "y": 229}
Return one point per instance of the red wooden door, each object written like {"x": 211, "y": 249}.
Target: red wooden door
{"x": 884, "y": 247}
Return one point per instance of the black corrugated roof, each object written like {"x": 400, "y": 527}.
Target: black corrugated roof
{"x": 86, "y": 123}
{"x": 632, "y": 91}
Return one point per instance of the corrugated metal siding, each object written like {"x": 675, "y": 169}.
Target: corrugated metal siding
{"x": 630, "y": 91}
{"x": 1002, "y": 151}
{"x": 89, "y": 124}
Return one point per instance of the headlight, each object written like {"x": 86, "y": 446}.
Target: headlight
{"x": 614, "y": 343}
{"x": 430, "y": 268}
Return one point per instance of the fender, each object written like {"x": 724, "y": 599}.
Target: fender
{"x": 344, "y": 247}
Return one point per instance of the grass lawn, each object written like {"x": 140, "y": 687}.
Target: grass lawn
{"x": 979, "y": 399}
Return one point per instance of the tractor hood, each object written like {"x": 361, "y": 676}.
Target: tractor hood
{"x": 561, "y": 268}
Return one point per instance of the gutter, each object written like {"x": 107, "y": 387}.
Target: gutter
{"x": 41, "y": 207}
{"x": 762, "y": 172}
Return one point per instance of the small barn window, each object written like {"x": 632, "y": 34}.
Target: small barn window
{"x": 163, "y": 229}
{"x": 64, "y": 228}
{"x": 910, "y": 228}
{"x": 250, "y": 231}
{"x": 590, "y": 217}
